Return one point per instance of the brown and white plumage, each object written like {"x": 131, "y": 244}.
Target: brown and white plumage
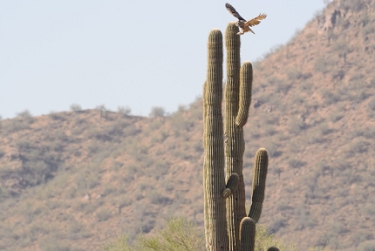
{"x": 242, "y": 23}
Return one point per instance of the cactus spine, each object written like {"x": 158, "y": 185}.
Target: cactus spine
{"x": 227, "y": 226}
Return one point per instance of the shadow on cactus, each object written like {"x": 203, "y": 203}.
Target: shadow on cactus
{"x": 227, "y": 225}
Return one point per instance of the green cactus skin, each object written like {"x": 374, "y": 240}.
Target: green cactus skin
{"x": 259, "y": 183}
{"x": 213, "y": 168}
{"x": 246, "y": 81}
{"x": 247, "y": 230}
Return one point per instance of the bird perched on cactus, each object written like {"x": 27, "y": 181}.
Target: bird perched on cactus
{"x": 242, "y": 23}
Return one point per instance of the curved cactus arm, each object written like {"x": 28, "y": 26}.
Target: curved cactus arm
{"x": 246, "y": 80}
{"x": 259, "y": 183}
{"x": 232, "y": 185}
{"x": 247, "y": 234}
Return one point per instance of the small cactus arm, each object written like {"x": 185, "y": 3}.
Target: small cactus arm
{"x": 259, "y": 183}
{"x": 247, "y": 231}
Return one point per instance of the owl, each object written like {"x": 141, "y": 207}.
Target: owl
{"x": 242, "y": 23}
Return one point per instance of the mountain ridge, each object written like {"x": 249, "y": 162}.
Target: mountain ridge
{"x": 76, "y": 180}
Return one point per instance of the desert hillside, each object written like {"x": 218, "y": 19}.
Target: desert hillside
{"x": 76, "y": 180}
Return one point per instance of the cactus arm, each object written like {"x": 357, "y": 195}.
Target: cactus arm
{"x": 247, "y": 231}
{"x": 232, "y": 186}
{"x": 213, "y": 167}
{"x": 259, "y": 183}
{"x": 246, "y": 80}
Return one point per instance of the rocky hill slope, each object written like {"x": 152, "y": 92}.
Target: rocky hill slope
{"x": 75, "y": 180}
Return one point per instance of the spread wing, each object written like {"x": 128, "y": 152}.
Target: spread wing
{"x": 233, "y": 11}
{"x": 256, "y": 20}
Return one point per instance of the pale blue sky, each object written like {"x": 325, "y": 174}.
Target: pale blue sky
{"x": 139, "y": 54}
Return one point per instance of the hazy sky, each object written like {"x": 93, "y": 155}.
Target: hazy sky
{"x": 139, "y": 54}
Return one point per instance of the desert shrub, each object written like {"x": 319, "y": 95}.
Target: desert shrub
{"x": 17, "y": 124}
{"x": 56, "y": 116}
{"x": 324, "y": 129}
{"x": 179, "y": 234}
{"x": 297, "y": 98}
{"x": 103, "y": 215}
{"x": 280, "y": 84}
{"x": 198, "y": 147}
{"x": 156, "y": 197}
{"x": 75, "y": 108}
{"x": 157, "y": 111}
{"x": 88, "y": 180}
{"x": 277, "y": 222}
{"x": 87, "y": 208}
{"x": 130, "y": 130}
{"x": 78, "y": 130}
{"x": 294, "y": 74}
{"x": 56, "y": 244}
{"x": 320, "y": 65}
{"x": 338, "y": 228}
{"x": 25, "y": 115}
{"x": 368, "y": 29}
{"x": 272, "y": 148}
{"x": 358, "y": 145}
{"x": 336, "y": 116}
{"x": 371, "y": 105}
{"x": 296, "y": 125}
{"x": 341, "y": 48}
{"x": 75, "y": 230}
{"x": 367, "y": 246}
{"x": 102, "y": 110}
{"x": 264, "y": 240}
{"x": 295, "y": 163}
{"x": 124, "y": 110}
{"x": 338, "y": 74}
{"x": 35, "y": 230}
{"x": 306, "y": 85}
{"x": 125, "y": 201}
{"x": 39, "y": 163}
{"x": 329, "y": 97}
{"x": 304, "y": 220}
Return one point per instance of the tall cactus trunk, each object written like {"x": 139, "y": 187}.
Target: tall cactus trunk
{"x": 214, "y": 181}
{"x": 234, "y": 145}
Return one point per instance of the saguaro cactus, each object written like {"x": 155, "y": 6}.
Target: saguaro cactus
{"x": 226, "y": 223}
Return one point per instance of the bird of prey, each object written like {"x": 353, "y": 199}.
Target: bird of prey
{"x": 242, "y": 23}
